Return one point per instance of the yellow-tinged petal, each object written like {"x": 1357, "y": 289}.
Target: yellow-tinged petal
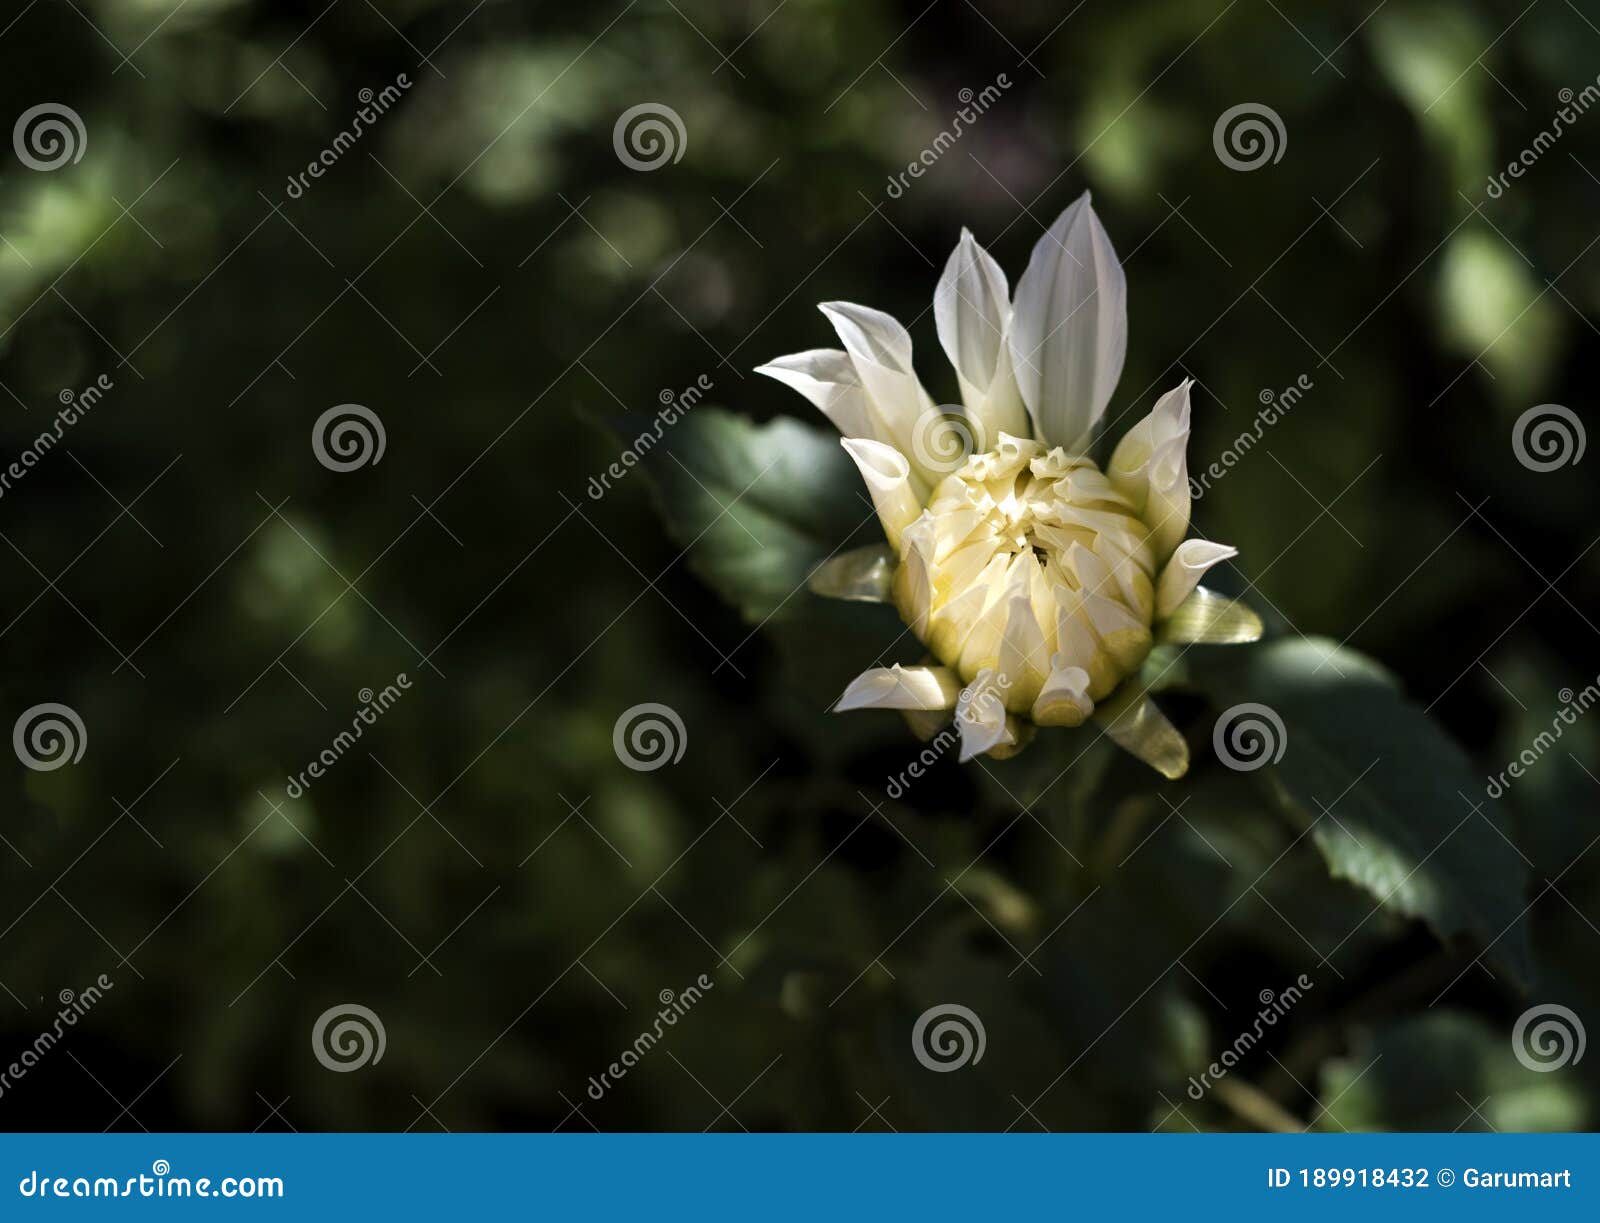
{"x": 861, "y": 575}
{"x": 1150, "y": 468}
{"x": 1064, "y": 700}
{"x": 1134, "y": 722}
{"x": 1209, "y": 618}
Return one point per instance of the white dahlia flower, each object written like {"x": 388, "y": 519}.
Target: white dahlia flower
{"x": 1037, "y": 582}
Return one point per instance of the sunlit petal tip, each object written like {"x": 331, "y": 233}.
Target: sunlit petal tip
{"x": 828, "y": 379}
{"x": 1182, "y": 574}
{"x": 887, "y": 474}
{"x": 899, "y": 687}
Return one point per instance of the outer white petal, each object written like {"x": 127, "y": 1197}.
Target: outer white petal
{"x": 880, "y": 350}
{"x": 981, "y": 717}
{"x": 972, "y": 308}
{"x": 1069, "y": 328}
{"x": 1064, "y": 699}
{"x": 1150, "y": 467}
{"x": 900, "y": 687}
{"x": 1182, "y": 574}
{"x": 887, "y": 473}
{"x": 828, "y": 378}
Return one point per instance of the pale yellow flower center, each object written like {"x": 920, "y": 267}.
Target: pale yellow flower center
{"x": 1026, "y": 564}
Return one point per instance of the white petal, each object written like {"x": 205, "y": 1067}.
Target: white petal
{"x": 888, "y": 476}
{"x": 1064, "y": 699}
{"x": 827, "y": 377}
{"x": 1150, "y": 467}
{"x": 1069, "y": 328}
{"x": 880, "y": 350}
{"x": 900, "y": 687}
{"x": 972, "y": 307}
{"x": 981, "y": 717}
{"x": 1182, "y": 574}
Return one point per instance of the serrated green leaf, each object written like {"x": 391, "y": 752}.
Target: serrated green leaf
{"x": 1395, "y": 807}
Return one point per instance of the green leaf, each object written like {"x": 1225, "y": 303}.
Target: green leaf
{"x": 757, "y": 506}
{"x": 1393, "y": 803}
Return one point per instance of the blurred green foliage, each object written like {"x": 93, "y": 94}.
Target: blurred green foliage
{"x": 483, "y": 272}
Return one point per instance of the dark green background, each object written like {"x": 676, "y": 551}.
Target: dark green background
{"x": 488, "y": 224}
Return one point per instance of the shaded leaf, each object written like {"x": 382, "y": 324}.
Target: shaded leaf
{"x": 757, "y": 506}
{"x": 1393, "y": 802}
